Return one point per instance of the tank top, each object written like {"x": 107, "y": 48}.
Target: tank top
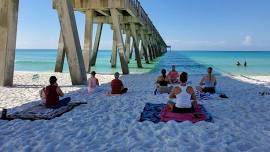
{"x": 52, "y": 97}
{"x": 92, "y": 84}
{"x": 173, "y": 74}
{"x": 183, "y": 98}
{"x": 163, "y": 82}
{"x": 209, "y": 83}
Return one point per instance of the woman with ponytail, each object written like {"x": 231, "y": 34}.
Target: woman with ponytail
{"x": 162, "y": 83}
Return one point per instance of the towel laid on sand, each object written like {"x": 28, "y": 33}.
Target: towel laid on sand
{"x": 200, "y": 114}
{"x": 38, "y": 112}
{"x": 160, "y": 113}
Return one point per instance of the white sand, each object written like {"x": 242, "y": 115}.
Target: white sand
{"x": 242, "y": 123}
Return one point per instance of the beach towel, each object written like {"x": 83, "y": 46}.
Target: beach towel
{"x": 202, "y": 96}
{"x": 200, "y": 114}
{"x": 159, "y": 113}
{"x": 151, "y": 112}
{"x": 39, "y": 111}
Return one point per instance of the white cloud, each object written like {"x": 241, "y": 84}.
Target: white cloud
{"x": 248, "y": 41}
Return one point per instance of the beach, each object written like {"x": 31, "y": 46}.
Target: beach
{"x": 111, "y": 123}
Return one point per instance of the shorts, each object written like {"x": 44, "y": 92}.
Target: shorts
{"x": 209, "y": 90}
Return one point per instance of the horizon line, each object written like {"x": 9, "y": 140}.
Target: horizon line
{"x": 167, "y": 50}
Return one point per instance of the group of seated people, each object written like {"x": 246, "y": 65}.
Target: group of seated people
{"x": 164, "y": 80}
{"x": 184, "y": 95}
{"x": 117, "y": 86}
{"x": 51, "y": 94}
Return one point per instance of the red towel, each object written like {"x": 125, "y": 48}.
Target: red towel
{"x": 167, "y": 115}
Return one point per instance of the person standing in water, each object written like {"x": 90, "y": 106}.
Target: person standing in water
{"x": 245, "y": 64}
{"x": 238, "y": 63}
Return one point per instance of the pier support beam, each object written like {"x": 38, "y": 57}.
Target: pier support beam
{"x": 114, "y": 51}
{"x": 119, "y": 38}
{"x": 148, "y": 47}
{"x": 8, "y": 34}
{"x": 127, "y": 45}
{"x": 88, "y": 34}
{"x": 136, "y": 44}
{"x": 132, "y": 48}
{"x": 60, "y": 58}
{"x": 96, "y": 45}
{"x": 153, "y": 48}
{"x": 144, "y": 47}
{"x": 71, "y": 41}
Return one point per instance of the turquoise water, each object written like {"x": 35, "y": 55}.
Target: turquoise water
{"x": 44, "y": 60}
{"x": 194, "y": 62}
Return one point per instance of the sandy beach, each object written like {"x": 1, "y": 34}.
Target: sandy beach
{"x": 111, "y": 123}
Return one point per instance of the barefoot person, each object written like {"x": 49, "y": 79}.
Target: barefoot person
{"x": 208, "y": 83}
{"x": 52, "y": 94}
{"x": 93, "y": 82}
{"x": 162, "y": 83}
{"x": 185, "y": 97}
{"x": 173, "y": 75}
{"x": 117, "y": 85}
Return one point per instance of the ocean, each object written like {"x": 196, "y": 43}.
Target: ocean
{"x": 193, "y": 62}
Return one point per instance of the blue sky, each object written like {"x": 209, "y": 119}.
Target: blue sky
{"x": 184, "y": 24}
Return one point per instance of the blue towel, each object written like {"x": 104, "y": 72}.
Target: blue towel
{"x": 151, "y": 112}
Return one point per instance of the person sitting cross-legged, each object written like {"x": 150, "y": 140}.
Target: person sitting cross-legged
{"x": 185, "y": 98}
{"x": 52, "y": 94}
{"x": 117, "y": 85}
{"x": 173, "y": 75}
{"x": 208, "y": 83}
{"x": 162, "y": 83}
{"x": 93, "y": 83}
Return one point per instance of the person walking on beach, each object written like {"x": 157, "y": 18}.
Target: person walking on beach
{"x": 93, "y": 82}
{"x": 208, "y": 83}
{"x": 173, "y": 75}
{"x": 117, "y": 85}
{"x": 185, "y": 97}
{"x": 52, "y": 94}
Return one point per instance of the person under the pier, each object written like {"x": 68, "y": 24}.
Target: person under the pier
{"x": 184, "y": 95}
{"x": 162, "y": 83}
{"x": 173, "y": 75}
{"x": 93, "y": 83}
{"x": 208, "y": 83}
{"x": 53, "y": 93}
{"x": 117, "y": 85}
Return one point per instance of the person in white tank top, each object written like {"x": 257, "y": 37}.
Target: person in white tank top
{"x": 183, "y": 99}
{"x": 92, "y": 82}
{"x": 185, "y": 96}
